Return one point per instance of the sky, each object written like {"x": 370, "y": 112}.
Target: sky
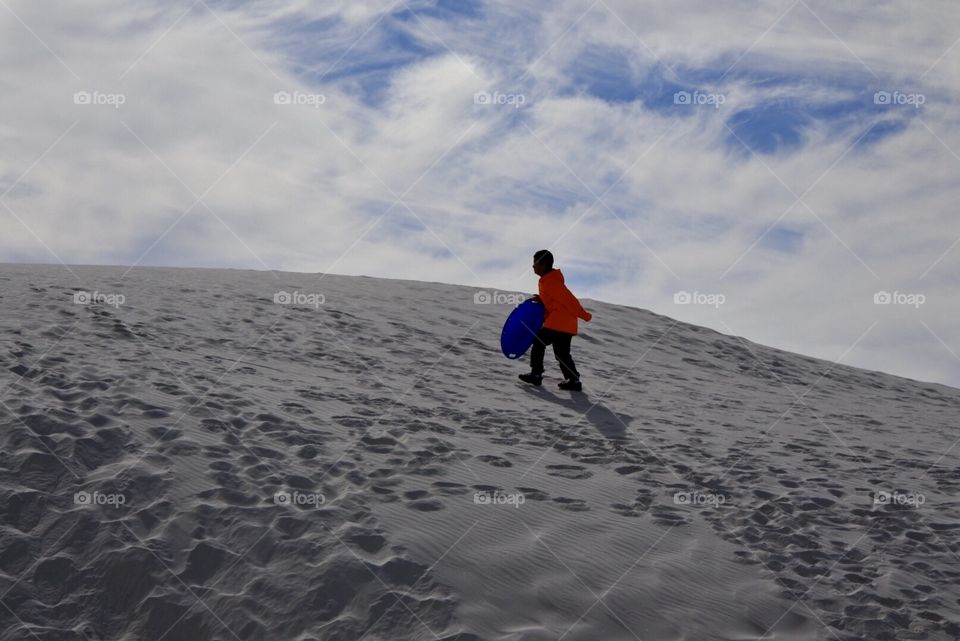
{"x": 784, "y": 171}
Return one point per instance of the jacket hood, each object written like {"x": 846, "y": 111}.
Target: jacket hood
{"x": 555, "y": 274}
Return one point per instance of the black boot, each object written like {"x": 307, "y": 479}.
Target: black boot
{"x": 533, "y": 379}
{"x": 572, "y": 385}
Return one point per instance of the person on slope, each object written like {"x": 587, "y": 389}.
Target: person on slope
{"x": 562, "y": 309}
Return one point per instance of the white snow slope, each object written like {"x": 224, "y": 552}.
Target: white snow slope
{"x": 196, "y": 461}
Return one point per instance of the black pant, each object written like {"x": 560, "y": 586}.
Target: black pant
{"x": 561, "y": 349}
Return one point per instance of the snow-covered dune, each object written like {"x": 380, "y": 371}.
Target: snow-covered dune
{"x": 184, "y": 458}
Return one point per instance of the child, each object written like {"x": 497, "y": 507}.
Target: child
{"x": 562, "y": 309}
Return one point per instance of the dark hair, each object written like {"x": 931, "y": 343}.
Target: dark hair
{"x": 544, "y": 257}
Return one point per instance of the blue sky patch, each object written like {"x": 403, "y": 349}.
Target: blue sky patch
{"x": 783, "y": 239}
{"x": 768, "y": 129}
{"x": 604, "y": 73}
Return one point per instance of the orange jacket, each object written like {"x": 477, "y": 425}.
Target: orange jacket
{"x": 561, "y": 306}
